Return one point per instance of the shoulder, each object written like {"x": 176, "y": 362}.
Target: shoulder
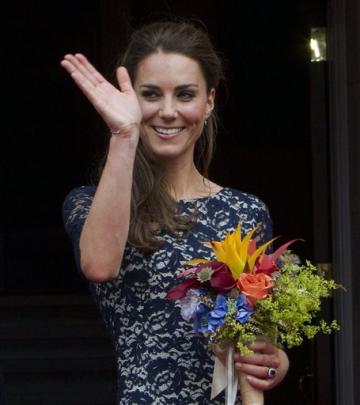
{"x": 247, "y": 208}
{"x": 242, "y": 199}
{"x": 250, "y": 210}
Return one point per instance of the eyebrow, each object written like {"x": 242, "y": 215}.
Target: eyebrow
{"x": 180, "y": 87}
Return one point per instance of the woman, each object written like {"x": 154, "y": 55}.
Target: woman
{"x": 153, "y": 208}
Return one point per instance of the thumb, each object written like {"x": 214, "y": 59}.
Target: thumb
{"x": 123, "y": 79}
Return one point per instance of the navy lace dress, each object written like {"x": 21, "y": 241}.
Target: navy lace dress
{"x": 160, "y": 359}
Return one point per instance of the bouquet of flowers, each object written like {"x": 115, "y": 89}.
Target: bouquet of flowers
{"x": 247, "y": 294}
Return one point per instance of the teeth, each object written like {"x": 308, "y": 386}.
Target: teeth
{"x": 168, "y": 131}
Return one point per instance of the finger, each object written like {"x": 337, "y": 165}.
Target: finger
{"x": 258, "y": 347}
{"x": 252, "y": 369}
{"x": 83, "y": 83}
{"x": 123, "y": 79}
{"x": 90, "y": 68}
{"x": 260, "y": 384}
{"x": 88, "y": 79}
{"x": 68, "y": 66}
{"x": 265, "y": 360}
{"x": 83, "y": 67}
{"x": 263, "y": 347}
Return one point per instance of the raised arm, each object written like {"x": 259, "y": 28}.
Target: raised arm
{"x": 106, "y": 228}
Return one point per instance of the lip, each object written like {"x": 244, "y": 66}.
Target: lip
{"x": 167, "y": 136}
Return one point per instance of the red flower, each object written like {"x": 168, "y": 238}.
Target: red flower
{"x": 267, "y": 263}
{"x": 215, "y": 273}
{"x": 221, "y": 280}
{"x": 218, "y": 275}
{"x": 180, "y": 290}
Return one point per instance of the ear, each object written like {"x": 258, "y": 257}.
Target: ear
{"x": 210, "y": 102}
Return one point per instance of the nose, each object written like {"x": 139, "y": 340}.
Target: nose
{"x": 168, "y": 109}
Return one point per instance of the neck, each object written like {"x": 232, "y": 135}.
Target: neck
{"x": 185, "y": 180}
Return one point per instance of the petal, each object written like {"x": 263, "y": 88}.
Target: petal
{"x": 218, "y": 250}
{"x": 267, "y": 263}
{"x": 222, "y": 281}
{"x": 260, "y": 250}
{"x": 180, "y": 290}
{"x": 281, "y": 250}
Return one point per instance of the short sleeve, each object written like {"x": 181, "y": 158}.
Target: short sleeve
{"x": 76, "y": 207}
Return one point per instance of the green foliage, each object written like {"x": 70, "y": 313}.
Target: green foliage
{"x": 287, "y": 315}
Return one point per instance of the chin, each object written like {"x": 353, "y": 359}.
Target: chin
{"x": 171, "y": 153}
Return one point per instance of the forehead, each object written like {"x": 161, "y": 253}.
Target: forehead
{"x": 169, "y": 69}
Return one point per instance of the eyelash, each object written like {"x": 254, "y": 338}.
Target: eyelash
{"x": 184, "y": 95}
{"x": 149, "y": 94}
{"x": 187, "y": 95}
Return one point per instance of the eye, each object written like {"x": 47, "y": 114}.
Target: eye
{"x": 150, "y": 94}
{"x": 186, "y": 95}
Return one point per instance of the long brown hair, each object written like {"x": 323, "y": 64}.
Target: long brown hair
{"x": 152, "y": 206}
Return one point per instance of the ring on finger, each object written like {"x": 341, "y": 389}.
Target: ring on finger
{"x": 271, "y": 373}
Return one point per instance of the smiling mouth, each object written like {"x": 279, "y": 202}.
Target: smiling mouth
{"x": 168, "y": 131}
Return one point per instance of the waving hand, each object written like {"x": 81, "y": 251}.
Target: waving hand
{"x": 119, "y": 108}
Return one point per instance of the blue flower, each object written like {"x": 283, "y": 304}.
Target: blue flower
{"x": 218, "y": 314}
{"x": 243, "y": 312}
{"x": 201, "y": 319}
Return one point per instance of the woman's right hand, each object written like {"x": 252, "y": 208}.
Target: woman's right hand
{"x": 119, "y": 108}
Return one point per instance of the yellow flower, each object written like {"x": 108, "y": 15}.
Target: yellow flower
{"x": 236, "y": 253}
{"x": 233, "y": 251}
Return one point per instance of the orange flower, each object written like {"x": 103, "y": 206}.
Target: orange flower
{"x": 254, "y": 286}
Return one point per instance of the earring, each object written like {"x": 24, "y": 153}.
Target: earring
{"x": 205, "y": 122}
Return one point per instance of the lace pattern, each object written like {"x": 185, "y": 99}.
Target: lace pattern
{"x": 160, "y": 359}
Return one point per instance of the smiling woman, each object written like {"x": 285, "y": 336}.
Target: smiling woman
{"x": 153, "y": 208}
{"x": 175, "y": 104}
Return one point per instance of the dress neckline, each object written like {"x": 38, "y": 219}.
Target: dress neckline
{"x": 207, "y": 197}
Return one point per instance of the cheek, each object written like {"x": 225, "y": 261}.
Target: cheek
{"x": 194, "y": 113}
{"x": 148, "y": 110}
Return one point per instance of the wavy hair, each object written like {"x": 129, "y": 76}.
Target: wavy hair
{"x": 152, "y": 206}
